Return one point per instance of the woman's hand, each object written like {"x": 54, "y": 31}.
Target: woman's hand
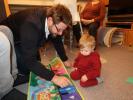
{"x": 86, "y": 22}
{"x": 61, "y": 81}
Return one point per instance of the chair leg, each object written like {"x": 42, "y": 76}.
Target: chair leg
{"x": 71, "y": 39}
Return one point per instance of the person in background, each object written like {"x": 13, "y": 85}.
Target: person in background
{"x": 87, "y": 65}
{"x": 92, "y": 16}
{"x": 72, "y": 5}
{"x": 6, "y": 78}
{"x": 30, "y": 29}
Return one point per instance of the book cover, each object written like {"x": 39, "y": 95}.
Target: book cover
{"x": 41, "y": 89}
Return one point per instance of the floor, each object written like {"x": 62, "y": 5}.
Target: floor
{"x": 117, "y": 67}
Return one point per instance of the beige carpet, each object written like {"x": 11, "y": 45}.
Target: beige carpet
{"x": 116, "y": 69}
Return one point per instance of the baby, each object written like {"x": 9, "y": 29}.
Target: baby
{"x": 87, "y": 64}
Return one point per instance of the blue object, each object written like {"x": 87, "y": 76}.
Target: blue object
{"x": 68, "y": 89}
{"x": 71, "y": 96}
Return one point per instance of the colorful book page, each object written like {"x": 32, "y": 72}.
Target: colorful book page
{"x": 41, "y": 89}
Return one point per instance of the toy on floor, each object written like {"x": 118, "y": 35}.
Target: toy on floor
{"x": 41, "y": 89}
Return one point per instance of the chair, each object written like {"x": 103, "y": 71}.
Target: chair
{"x": 80, "y": 9}
{"x": 4, "y": 9}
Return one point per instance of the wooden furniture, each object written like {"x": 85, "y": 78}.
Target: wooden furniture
{"x": 127, "y": 36}
{"x": 128, "y": 25}
{"x": 4, "y": 9}
{"x": 128, "y": 31}
{"x": 120, "y": 15}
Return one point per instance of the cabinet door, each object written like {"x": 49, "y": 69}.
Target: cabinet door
{"x": 128, "y": 38}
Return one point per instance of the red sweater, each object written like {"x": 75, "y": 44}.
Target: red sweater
{"x": 96, "y": 11}
{"x": 89, "y": 65}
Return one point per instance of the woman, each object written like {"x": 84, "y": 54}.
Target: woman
{"x": 92, "y": 16}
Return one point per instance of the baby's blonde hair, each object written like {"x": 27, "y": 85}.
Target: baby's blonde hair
{"x": 87, "y": 41}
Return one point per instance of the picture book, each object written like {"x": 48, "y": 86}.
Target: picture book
{"x": 41, "y": 89}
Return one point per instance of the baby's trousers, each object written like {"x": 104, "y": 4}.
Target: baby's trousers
{"x": 76, "y": 75}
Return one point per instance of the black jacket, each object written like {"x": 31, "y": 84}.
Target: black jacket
{"x": 28, "y": 27}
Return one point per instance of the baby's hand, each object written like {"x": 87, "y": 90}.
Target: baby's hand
{"x": 84, "y": 78}
{"x": 73, "y": 69}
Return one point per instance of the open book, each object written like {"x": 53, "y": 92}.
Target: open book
{"x": 41, "y": 89}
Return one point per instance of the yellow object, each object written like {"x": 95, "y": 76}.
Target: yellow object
{"x": 7, "y": 8}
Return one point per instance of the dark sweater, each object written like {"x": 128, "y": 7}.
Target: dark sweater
{"x": 28, "y": 27}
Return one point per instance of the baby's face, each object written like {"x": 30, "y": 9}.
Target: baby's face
{"x": 85, "y": 51}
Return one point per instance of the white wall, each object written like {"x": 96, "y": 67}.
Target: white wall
{"x": 30, "y": 2}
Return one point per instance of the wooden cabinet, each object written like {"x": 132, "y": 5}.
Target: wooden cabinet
{"x": 128, "y": 37}
{"x": 126, "y": 28}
